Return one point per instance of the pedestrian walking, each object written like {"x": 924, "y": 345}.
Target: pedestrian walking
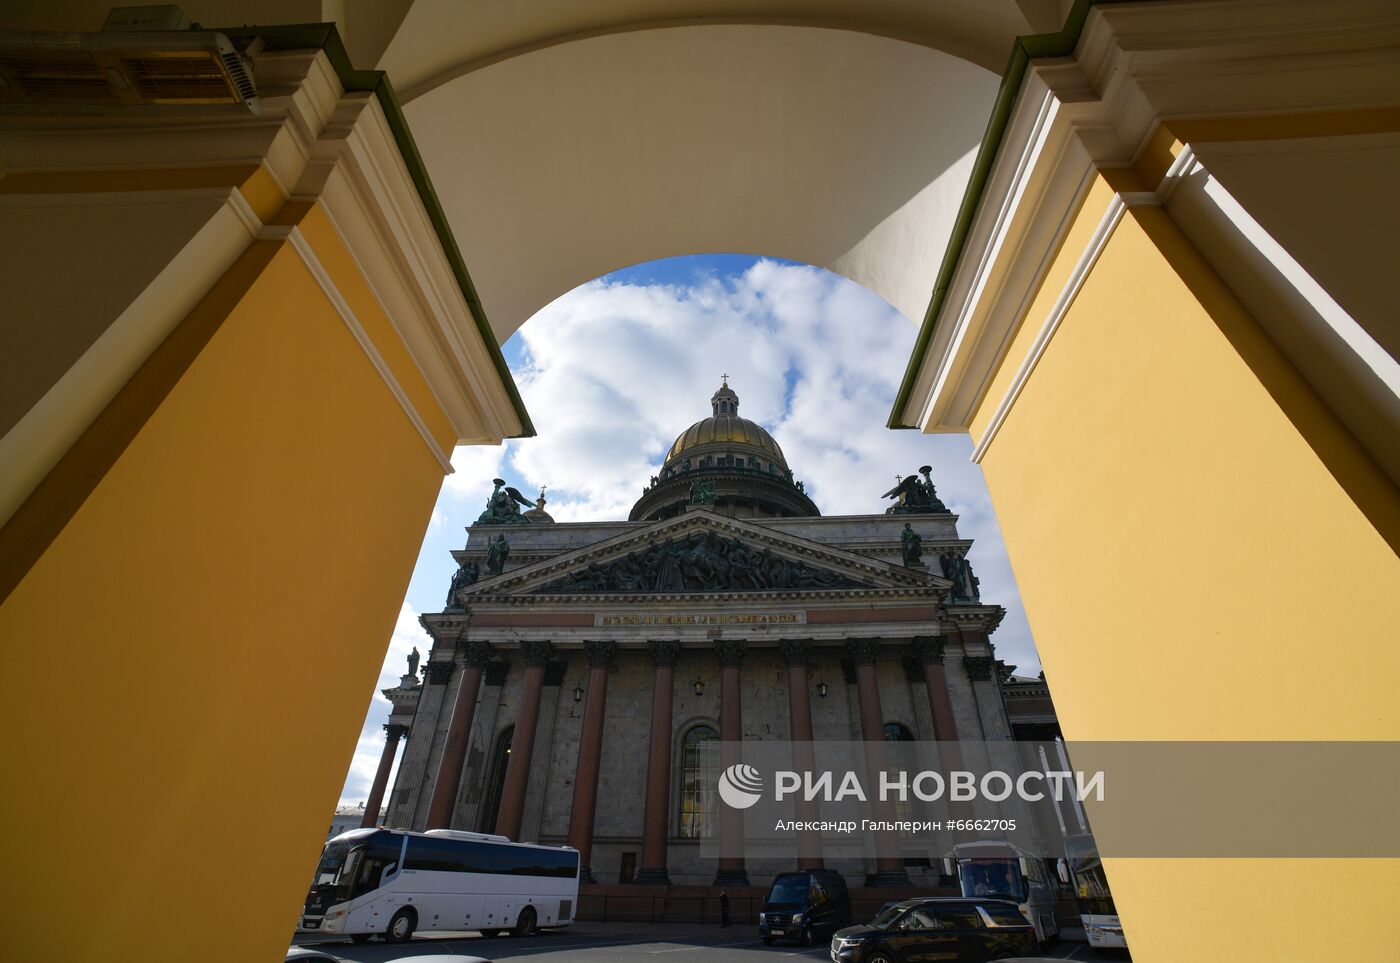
{"x": 724, "y": 919}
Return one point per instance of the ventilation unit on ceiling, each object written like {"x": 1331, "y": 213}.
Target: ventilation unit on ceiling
{"x": 123, "y": 68}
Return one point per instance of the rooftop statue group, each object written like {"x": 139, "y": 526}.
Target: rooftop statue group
{"x": 702, "y": 562}
{"x": 916, "y": 496}
{"x": 503, "y": 506}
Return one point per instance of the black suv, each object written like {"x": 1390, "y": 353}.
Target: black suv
{"x": 969, "y": 930}
{"x": 800, "y": 905}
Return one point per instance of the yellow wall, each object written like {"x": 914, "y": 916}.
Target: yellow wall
{"x": 1203, "y": 554}
{"x": 184, "y": 656}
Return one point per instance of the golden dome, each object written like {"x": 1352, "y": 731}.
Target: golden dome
{"x": 726, "y": 427}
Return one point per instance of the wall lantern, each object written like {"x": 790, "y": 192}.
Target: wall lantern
{"x": 821, "y": 689}
{"x": 699, "y": 687}
{"x": 578, "y": 693}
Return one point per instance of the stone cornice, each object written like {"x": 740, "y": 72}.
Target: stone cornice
{"x": 602, "y": 600}
{"x": 883, "y": 575}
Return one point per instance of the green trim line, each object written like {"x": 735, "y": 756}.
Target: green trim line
{"x": 1023, "y": 51}
{"x": 325, "y": 37}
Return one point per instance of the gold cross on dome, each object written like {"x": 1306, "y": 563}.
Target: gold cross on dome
{"x": 725, "y": 379}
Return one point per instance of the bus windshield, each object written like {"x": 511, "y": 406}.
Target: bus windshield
{"x": 332, "y": 860}
{"x": 992, "y": 877}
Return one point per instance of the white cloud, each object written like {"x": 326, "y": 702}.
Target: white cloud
{"x": 614, "y": 372}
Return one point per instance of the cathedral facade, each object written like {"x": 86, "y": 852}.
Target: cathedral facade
{"x": 583, "y": 676}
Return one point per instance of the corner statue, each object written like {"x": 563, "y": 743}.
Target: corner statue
{"x": 496, "y": 555}
{"x": 467, "y": 573}
{"x": 503, "y": 506}
{"x": 912, "y": 545}
{"x": 916, "y": 495}
{"x": 413, "y": 658}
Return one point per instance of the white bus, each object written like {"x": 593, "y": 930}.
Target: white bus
{"x": 392, "y": 883}
{"x": 999, "y": 869}
{"x": 1096, "y": 910}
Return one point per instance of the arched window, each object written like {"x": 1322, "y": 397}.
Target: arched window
{"x": 895, "y": 732}
{"x": 699, "y": 774}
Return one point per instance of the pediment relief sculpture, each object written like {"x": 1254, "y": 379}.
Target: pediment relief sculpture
{"x": 700, "y": 562}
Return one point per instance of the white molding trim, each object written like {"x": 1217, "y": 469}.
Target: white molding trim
{"x": 999, "y": 228}
{"x": 1136, "y": 67}
{"x": 1117, "y": 204}
{"x": 298, "y": 242}
{"x": 39, "y": 439}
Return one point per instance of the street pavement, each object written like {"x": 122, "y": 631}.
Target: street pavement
{"x": 613, "y": 943}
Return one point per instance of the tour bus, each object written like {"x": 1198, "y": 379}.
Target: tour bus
{"x": 393, "y": 883}
{"x": 1096, "y": 909}
{"x": 997, "y": 868}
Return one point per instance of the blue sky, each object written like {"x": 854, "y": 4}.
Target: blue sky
{"x": 614, "y": 370}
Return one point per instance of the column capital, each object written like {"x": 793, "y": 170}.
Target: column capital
{"x": 393, "y": 731}
{"x": 927, "y": 649}
{"x": 438, "y": 673}
{"x": 477, "y": 653}
{"x": 537, "y": 653}
{"x": 664, "y": 652}
{"x": 600, "y": 653}
{"x": 862, "y": 651}
{"x": 979, "y": 667}
{"x": 496, "y": 672}
{"x": 731, "y": 651}
{"x": 796, "y": 651}
{"x": 554, "y": 672}
{"x": 913, "y": 669}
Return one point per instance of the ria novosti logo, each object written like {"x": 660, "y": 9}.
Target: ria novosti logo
{"x": 740, "y": 786}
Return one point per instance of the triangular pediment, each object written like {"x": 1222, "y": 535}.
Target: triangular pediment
{"x": 701, "y": 553}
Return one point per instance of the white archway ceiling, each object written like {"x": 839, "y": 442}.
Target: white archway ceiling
{"x": 838, "y": 148}
{"x": 567, "y": 139}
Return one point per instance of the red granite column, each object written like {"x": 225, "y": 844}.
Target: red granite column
{"x": 928, "y": 651}
{"x": 392, "y": 735}
{"x": 797, "y": 652}
{"x": 731, "y": 733}
{"x": 889, "y": 865}
{"x": 658, "y": 802}
{"x": 590, "y": 754}
{"x": 454, "y": 752}
{"x": 522, "y": 745}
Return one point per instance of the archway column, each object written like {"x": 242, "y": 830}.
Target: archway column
{"x": 590, "y": 753}
{"x": 658, "y": 799}
{"x": 512, "y": 811}
{"x": 392, "y": 734}
{"x": 454, "y": 753}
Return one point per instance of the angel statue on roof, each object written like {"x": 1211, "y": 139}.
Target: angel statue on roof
{"x": 503, "y": 506}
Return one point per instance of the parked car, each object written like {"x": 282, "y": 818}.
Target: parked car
{"x": 938, "y": 928}
{"x": 802, "y": 905}
{"x": 311, "y": 954}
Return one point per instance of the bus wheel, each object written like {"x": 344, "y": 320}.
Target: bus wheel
{"x": 526, "y": 924}
{"x": 401, "y": 926}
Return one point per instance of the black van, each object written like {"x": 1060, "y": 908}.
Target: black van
{"x": 800, "y": 905}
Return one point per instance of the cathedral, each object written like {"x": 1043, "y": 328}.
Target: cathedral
{"x": 583, "y": 675}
